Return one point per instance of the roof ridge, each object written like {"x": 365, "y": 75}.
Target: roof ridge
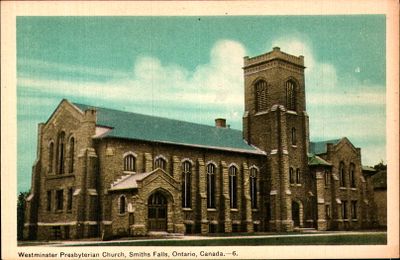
{"x": 158, "y": 117}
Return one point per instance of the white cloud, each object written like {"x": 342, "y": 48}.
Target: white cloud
{"x": 218, "y": 83}
{"x": 215, "y": 89}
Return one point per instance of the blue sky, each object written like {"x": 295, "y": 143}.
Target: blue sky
{"x": 189, "y": 68}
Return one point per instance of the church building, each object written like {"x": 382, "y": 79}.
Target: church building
{"x": 106, "y": 173}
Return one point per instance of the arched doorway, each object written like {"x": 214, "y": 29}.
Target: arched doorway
{"x": 296, "y": 213}
{"x": 157, "y": 213}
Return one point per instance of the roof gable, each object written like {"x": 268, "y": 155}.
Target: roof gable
{"x": 135, "y": 126}
{"x": 322, "y": 146}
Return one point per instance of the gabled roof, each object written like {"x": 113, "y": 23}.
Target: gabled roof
{"x": 322, "y": 146}
{"x": 135, "y": 126}
{"x": 129, "y": 181}
{"x": 315, "y": 160}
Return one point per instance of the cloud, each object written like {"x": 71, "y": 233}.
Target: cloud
{"x": 217, "y": 84}
{"x": 340, "y": 105}
{"x": 319, "y": 75}
{"x": 214, "y": 89}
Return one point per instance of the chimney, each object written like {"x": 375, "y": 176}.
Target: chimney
{"x": 220, "y": 122}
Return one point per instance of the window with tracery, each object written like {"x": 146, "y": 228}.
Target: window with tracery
{"x": 130, "y": 163}
{"x": 261, "y": 95}
{"x": 211, "y": 185}
{"x": 233, "y": 187}
{"x": 290, "y": 95}
{"x": 186, "y": 184}
{"x": 253, "y": 187}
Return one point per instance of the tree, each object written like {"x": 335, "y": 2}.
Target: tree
{"x": 380, "y": 166}
{"x": 21, "y": 214}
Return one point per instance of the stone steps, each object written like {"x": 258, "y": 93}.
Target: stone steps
{"x": 304, "y": 230}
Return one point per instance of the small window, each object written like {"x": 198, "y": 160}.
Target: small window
{"x": 298, "y": 176}
{"x": 352, "y": 175}
{"x": 51, "y": 157}
{"x": 60, "y": 199}
{"x": 69, "y": 202}
{"x": 291, "y": 175}
{"x": 160, "y": 163}
{"x": 342, "y": 175}
{"x": 130, "y": 163}
{"x": 253, "y": 187}
{"x": 354, "y": 209}
{"x": 327, "y": 178}
{"x": 294, "y": 141}
{"x": 211, "y": 185}
{"x": 233, "y": 187}
{"x": 344, "y": 209}
{"x": 49, "y": 200}
{"x": 122, "y": 204}
{"x": 71, "y": 154}
{"x": 328, "y": 211}
{"x": 61, "y": 153}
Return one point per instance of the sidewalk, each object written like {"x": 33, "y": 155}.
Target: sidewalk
{"x": 172, "y": 237}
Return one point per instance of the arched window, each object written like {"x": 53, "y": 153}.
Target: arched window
{"x": 342, "y": 177}
{"x": 298, "y": 176}
{"x": 290, "y": 95}
{"x": 122, "y": 204}
{"x": 186, "y": 184}
{"x": 161, "y": 163}
{"x": 130, "y": 163}
{"x": 261, "y": 95}
{"x": 253, "y": 187}
{"x": 352, "y": 175}
{"x": 211, "y": 185}
{"x": 291, "y": 175}
{"x": 71, "y": 154}
{"x": 51, "y": 157}
{"x": 61, "y": 153}
{"x": 233, "y": 187}
{"x": 293, "y": 137}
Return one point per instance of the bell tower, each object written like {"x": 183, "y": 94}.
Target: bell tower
{"x": 275, "y": 121}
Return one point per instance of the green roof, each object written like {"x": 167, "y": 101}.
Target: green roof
{"x": 322, "y": 146}
{"x": 135, "y": 126}
{"x": 314, "y": 160}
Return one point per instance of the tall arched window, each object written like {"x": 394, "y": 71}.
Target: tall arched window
{"x": 233, "y": 187}
{"x": 342, "y": 177}
{"x": 261, "y": 95}
{"x": 291, "y": 175}
{"x": 290, "y": 95}
{"x": 211, "y": 185}
{"x": 293, "y": 137}
{"x": 61, "y": 153}
{"x": 51, "y": 157}
{"x": 71, "y": 154}
{"x": 129, "y": 163}
{"x": 122, "y": 204}
{"x": 253, "y": 187}
{"x": 352, "y": 175}
{"x": 161, "y": 163}
{"x": 186, "y": 184}
{"x": 298, "y": 176}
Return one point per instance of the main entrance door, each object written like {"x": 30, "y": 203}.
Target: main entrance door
{"x": 157, "y": 215}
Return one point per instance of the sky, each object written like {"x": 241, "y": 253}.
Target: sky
{"x": 190, "y": 68}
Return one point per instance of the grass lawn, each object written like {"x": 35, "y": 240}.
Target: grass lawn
{"x": 331, "y": 239}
